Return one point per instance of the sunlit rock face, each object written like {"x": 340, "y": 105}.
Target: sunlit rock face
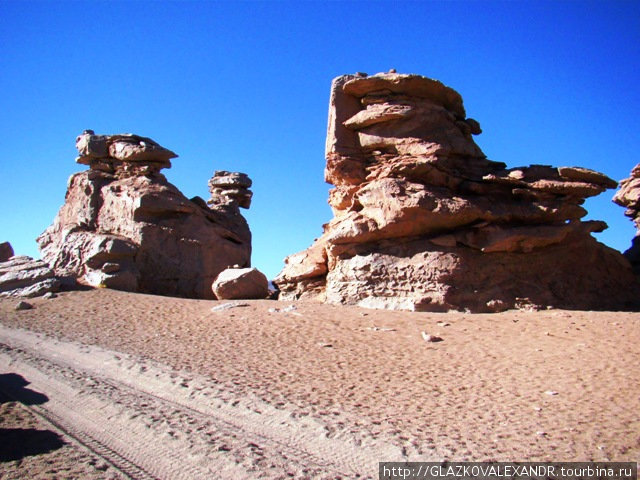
{"x": 424, "y": 221}
{"x": 124, "y": 226}
{"x": 629, "y": 196}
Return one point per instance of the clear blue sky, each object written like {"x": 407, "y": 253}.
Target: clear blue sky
{"x": 244, "y": 86}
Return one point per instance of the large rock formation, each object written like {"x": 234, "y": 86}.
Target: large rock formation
{"x": 424, "y": 221}
{"x": 629, "y": 196}
{"x": 124, "y": 226}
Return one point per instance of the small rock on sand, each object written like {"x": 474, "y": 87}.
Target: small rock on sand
{"x": 431, "y": 338}
{"x": 228, "y": 306}
{"x": 22, "y": 305}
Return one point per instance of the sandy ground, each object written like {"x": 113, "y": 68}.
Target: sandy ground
{"x": 550, "y": 385}
{"x": 30, "y": 449}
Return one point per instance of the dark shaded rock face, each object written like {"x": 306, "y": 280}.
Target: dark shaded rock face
{"x": 424, "y": 221}
{"x": 124, "y": 226}
{"x": 6, "y": 251}
{"x": 629, "y": 196}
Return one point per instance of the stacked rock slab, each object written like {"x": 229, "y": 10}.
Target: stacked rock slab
{"x": 22, "y": 276}
{"x": 424, "y": 221}
{"x": 124, "y": 226}
{"x": 230, "y": 189}
{"x": 629, "y": 196}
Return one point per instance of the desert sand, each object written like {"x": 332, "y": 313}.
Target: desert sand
{"x": 265, "y": 391}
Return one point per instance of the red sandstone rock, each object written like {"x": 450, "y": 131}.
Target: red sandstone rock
{"x": 230, "y": 189}
{"x": 241, "y": 283}
{"x": 124, "y": 226}
{"x": 22, "y": 276}
{"x": 424, "y": 221}
{"x": 629, "y": 196}
{"x": 6, "y": 251}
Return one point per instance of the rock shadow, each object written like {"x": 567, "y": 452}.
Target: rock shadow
{"x": 12, "y": 388}
{"x": 18, "y": 443}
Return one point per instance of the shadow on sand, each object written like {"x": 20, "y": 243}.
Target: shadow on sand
{"x": 17, "y": 443}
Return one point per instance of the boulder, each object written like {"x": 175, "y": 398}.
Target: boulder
{"x": 124, "y": 226}
{"x": 22, "y": 276}
{"x": 424, "y": 221}
{"x": 22, "y": 305}
{"x": 6, "y": 251}
{"x": 241, "y": 283}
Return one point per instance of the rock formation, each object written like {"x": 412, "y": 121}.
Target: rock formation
{"x": 124, "y": 226}
{"x": 241, "y": 283}
{"x": 230, "y": 188}
{"x": 629, "y": 196}
{"x": 424, "y": 221}
{"x": 22, "y": 276}
{"x": 6, "y": 251}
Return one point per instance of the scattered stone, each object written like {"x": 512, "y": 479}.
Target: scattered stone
{"x": 381, "y": 329}
{"x": 443, "y": 324}
{"x": 49, "y": 295}
{"x": 241, "y": 283}
{"x": 290, "y": 309}
{"x": 22, "y": 305}
{"x": 551, "y": 393}
{"x": 541, "y": 433}
{"x": 6, "y": 251}
{"x": 124, "y": 226}
{"x": 431, "y": 338}
{"x": 325, "y": 345}
{"x": 497, "y": 306}
{"x": 228, "y": 306}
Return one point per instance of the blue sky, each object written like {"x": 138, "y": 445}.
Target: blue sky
{"x": 244, "y": 86}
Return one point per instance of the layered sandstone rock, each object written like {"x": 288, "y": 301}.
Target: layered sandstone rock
{"x": 124, "y": 226}
{"x": 230, "y": 189}
{"x": 424, "y": 221}
{"x": 22, "y": 276}
{"x": 629, "y": 196}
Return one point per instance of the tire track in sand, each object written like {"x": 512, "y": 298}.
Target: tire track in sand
{"x": 175, "y": 425}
